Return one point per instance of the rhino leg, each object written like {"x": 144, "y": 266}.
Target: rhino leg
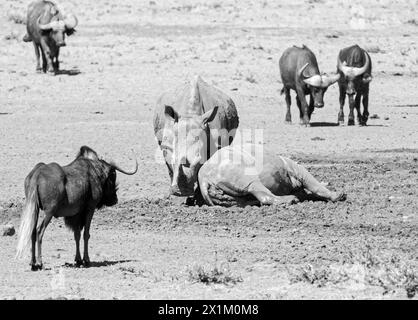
{"x": 266, "y": 197}
{"x": 307, "y": 181}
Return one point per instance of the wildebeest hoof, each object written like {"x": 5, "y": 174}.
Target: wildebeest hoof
{"x": 51, "y": 72}
{"x": 39, "y": 70}
{"x": 351, "y": 122}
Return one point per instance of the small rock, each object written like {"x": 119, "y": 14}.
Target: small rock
{"x": 7, "y": 230}
{"x": 374, "y": 116}
{"x": 386, "y": 118}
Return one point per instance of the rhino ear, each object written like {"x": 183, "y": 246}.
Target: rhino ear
{"x": 209, "y": 115}
{"x": 171, "y": 113}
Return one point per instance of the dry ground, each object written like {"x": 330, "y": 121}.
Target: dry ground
{"x": 122, "y": 57}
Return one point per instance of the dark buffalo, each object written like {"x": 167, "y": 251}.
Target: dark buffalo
{"x": 46, "y": 28}
{"x": 299, "y": 71}
{"x": 191, "y": 123}
{"x": 355, "y": 67}
{"x": 73, "y": 192}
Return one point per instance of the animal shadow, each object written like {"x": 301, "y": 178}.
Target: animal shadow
{"x": 324, "y": 124}
{"x": 72, "y": 72}
{"x": 97, "y": 264}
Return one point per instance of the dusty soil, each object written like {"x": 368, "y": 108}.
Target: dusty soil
{"x": 122, "y": 57}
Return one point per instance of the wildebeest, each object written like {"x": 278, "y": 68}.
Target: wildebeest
{"x": 73, "y": 192}
{"x": 248, "y": 174}
{"x": 299, "y": 71}
{"x": 355, "y": 67}
{"x": 46, "y": 29}
{"x": 190, "y": 124}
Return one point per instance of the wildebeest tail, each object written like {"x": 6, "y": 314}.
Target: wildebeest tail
{"x": 282, "y": 91}
{"x": 29, "y": 220}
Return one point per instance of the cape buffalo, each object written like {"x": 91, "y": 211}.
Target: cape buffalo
{"x": 73, "y": 192}
{"x": 46, "y": 29}
{"x": 190, "y": 124}
{"x": 299, "y": 71}
{"x": 355, "y": 67}
{"x": 246, "y": 174}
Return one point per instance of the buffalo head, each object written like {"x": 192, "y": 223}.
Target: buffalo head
{"x": 59, "y": 26}
{"x": 354, "y": 74}
{"x": 318, "y": 84}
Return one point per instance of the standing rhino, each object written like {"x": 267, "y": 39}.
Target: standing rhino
{"x": 191, "y": 123}
{"x": 244, "y": 174}
{"x": 46, "y": 28}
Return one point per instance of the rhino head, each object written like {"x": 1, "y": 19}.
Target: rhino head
{"x": 190, "y": 143}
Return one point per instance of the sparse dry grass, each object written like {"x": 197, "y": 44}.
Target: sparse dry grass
{"x": 363, "y": 268}
{"x": 17, "y": 16}
{"x": 213, "y": 275}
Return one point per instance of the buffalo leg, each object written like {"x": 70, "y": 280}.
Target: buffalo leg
{"x": 77, "y": 236}
{"x": 288, "y": 103}
{"x": 266, "y": 197}
{"x": 357, "y": 106}
{"x": 365, "y": 106}
{"x": 351, "y": 103}
{"x": 56, "y": 61}
{"x": 48, "y": 58}
{"x": 311, "y": 107}
{"x": 44, "y": 64}
{"x": 342, "y": 101}
{"x": 38, "y": 57}
{"x": 86, "y": 237}
{"x": 303, "y": 108}
{"x": 40, "y": 235}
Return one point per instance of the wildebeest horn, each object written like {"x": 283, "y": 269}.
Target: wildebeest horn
{"x": 353, "y": 71}
{"x": 126, "y": 172}
{"x": 328, "y": 80}
{"x": 70, "y": 21}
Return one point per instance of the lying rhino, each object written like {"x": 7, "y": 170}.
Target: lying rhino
{"x": 191, "y": 123}
{"x": 245, "y": 175}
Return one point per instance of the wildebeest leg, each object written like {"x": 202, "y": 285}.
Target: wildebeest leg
{"x": 351, "y": 104}
{"x": 33, "y": 256}
{"x": 86, "y": 237}
{"x": 77, "y": 236}
{"x": 342, "y": 101}
{"x": 357, "y": 106}
{"x": 38, "y": 62}
{"x": 365, "y": 105}
{"x": 311, "y": 107}
{"x": 304, "y": 119}
{"x": 47, "y": 54}
{"x": 40, "y": 235}
{"x": 288, "y": 103}
{"x": 307, "y": 181}
{"x": 266, "y": 197}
